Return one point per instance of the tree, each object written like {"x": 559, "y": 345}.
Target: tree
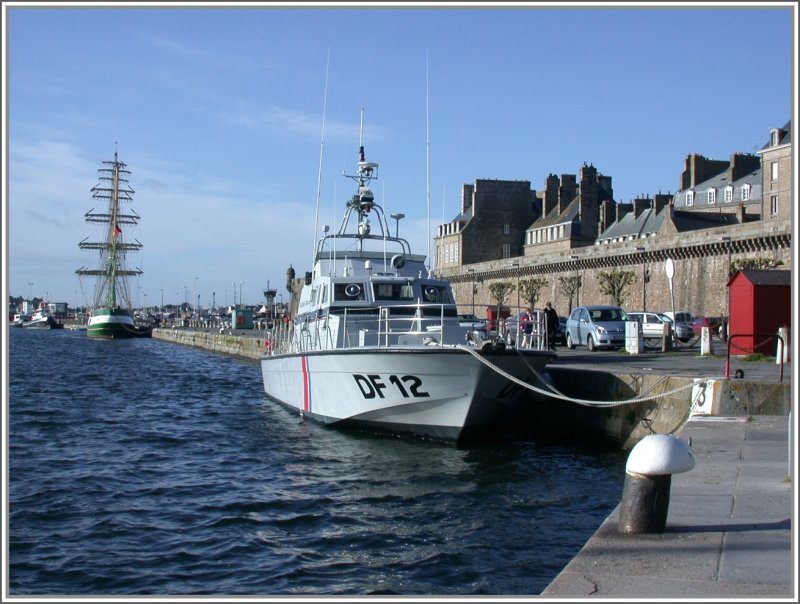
{"x": 614, "y": 283}
{"x": 500, "y": 291}
{"x": 753, "y": 263}
{"x": 529, "y": 289}
{"x": 570, "y": 286}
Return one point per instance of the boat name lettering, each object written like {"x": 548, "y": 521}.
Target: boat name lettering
{"x": 373, "y": 385}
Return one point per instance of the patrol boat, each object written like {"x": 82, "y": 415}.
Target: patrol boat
{"x": 377, "y": 342}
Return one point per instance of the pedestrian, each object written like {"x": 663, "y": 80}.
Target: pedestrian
{"x": 526, "y": 322}
{"x": 551, "y": 323}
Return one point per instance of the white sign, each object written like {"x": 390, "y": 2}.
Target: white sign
{"x": 669, "y": 268}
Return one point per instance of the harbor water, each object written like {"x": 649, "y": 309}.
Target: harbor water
{"x": 140, "y": 467}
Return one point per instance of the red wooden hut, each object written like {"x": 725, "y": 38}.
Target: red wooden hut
{"x": 760, "y": 303}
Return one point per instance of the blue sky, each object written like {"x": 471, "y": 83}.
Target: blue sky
{"x": 218, "y": 113}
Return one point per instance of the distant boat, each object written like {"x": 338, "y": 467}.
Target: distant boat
{"x": 42, "y": 319}
{"x": 378, "y": 342}
{"x": 112, "y": 314}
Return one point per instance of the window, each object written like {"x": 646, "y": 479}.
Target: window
{"x": 773, "y": 203}
{"x": 506, "y": 250}
{"x": 728, "y": 194}
{"x": 773, "y": 169}
{"x": 689, "y": 198}
{"x": 746, "y": 193}
{"x": 773, "y": 138}
{"x": 506, "y": 229}
{"x": 712, "y": 196}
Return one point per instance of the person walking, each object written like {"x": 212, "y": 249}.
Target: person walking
{"x": 551, "y": 323}
{"x": 527, "y": 328}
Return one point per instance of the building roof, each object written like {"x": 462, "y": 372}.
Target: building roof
{"x": 764, "y": 277}
{"x": 719, "y": 183}
{"x": 634, "y": 227}
{"x": 785, "y": 137}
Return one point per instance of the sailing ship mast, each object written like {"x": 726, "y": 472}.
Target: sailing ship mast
{"x": 112, "y": 290}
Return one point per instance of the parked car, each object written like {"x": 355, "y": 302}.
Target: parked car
{"x": 596, "y": 327}
{"x": 713, "y": 324}
{"x": 683, "y": 331}
{"x": 680, "y": 316}
{"x": 653, "y": 326}
{"x": 474, "y": 322}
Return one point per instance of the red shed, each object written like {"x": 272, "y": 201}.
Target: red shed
{"x": 761, "y": 302}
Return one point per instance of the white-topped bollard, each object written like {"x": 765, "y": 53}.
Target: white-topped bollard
{"x": 648, "y": 476}
{"x": 706, "y": 345}
{"x": 782, "y": 355}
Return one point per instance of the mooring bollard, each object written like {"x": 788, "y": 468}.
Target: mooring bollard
{"x": 648, "y": 476}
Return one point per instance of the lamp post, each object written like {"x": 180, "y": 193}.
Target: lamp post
{"x": 516, "y": 265}
{"x": 196, "y": 299}
{"x": 30, "y": 291}
{"x": 471, "y": 272}
{"x": 644, "y": 279}
{"x": 728, "y": 271}
{"x": 241, "y": 301}
{"x": 162, "y": 301}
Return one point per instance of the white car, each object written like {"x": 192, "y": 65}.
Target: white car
{"x": 651, "y": 324}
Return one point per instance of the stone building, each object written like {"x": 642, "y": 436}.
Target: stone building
{"x": 581, "y": 232}
{"x": 776, "y": 159}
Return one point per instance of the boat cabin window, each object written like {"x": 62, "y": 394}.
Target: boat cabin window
{"x": 436, "y": 294}
{"x": 393, "y": 291}
{"x": 343, "y": 292}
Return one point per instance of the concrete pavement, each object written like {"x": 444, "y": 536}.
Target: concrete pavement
{"x": 730, "y": 526}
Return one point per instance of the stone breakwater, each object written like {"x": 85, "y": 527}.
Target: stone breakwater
{"x": 225, "y": 343}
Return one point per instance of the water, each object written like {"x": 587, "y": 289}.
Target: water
{"x": 140, "y": 467}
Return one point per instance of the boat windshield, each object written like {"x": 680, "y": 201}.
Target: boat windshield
{"x": 393, "y": 291}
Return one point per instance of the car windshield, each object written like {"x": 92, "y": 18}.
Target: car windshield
{"x": 608, "y": 314}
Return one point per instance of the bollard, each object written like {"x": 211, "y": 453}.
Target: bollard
{"x": 706, "y": 345}
{"x": 648, "y": 477}
{"x": 782, "y": 355}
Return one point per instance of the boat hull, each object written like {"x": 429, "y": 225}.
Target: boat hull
{"x": 438, "y": 392}
{"x": 115, "y": 323}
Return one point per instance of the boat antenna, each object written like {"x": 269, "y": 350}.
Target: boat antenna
{"x": 321, "y": 147}
{"x": 427, "y": 166}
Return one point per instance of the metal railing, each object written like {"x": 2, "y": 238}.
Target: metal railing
{"x": 752, "y": 335}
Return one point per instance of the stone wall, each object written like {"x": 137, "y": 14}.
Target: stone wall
{"x": 699, "y": 284}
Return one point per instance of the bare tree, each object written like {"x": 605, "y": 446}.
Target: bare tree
{"x": 570, "y": 286}
{"x": 530, "y": 289}
{"x": 614, "y": 283}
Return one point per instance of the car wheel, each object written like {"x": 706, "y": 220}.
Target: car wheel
{"x": 590, "y": 344}
{"x": 570, "y": 343}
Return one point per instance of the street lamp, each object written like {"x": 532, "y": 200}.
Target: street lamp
{"x": 516, "y": 264}
{"x": 196, "y": 299}
{"x": 471, "y": 272}
{"x": 241, "y": 301}
{"x": 728, "y": 271}
{"x": 234, "y": 294}
{"x": 162, "y": 301}
{"x": 644, "y": 279}
{"x": 30, "y": 291}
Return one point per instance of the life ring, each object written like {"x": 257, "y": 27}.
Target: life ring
{"x": 240, "y": 320}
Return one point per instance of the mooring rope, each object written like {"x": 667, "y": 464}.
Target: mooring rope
{"x": 554, "y": 393}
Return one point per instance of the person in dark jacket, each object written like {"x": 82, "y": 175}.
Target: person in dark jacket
{"x": 551, "y": 321}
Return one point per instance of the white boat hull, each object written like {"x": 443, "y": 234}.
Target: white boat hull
{"x": 439, "y": 392}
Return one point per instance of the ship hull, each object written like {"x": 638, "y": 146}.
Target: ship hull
{"x": 438, "y": 392}
{"x": 115, "y": 323}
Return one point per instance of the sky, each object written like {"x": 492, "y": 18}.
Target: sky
{"x": 237, "y": 122}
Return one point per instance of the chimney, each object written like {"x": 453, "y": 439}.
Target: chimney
{"x": 741, "y": 165}
{"x": 742, "y": 213}
{"x": 622, "y": 210}
{"x": 550, "y": 195}
{"x": 566, "y": 192}
{"x": 640, "y": 204}
{"x": 661, "y": 201}
{"x": 467, "y": 195}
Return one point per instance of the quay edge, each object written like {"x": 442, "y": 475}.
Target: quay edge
{"x": 620, "y": 426}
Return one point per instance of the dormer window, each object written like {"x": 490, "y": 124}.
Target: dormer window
{"x": 746, "y": 193}
{"x": 773, "y": 138}
{"x": 712, "y": 196}
{"x": 689, "y": 198}
{"x": 728, "y": 194}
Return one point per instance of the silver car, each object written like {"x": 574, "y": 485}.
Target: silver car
{"x": 683, "y": 331}
{"x": 596, "y": 327}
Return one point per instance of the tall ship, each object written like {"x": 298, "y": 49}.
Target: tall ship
{"x": 112, "y": 314}
{"x": 377, "y": 341}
